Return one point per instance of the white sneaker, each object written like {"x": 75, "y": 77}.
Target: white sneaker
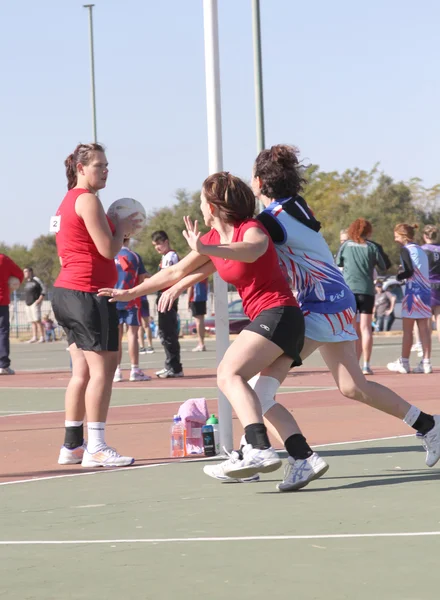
{"x": 169, "y": 373}
{"x": 254, "y": 461}
{"x": 298, "y": 473}
{"x": 218, "y": 471}
{"x": 41, "y": 341}
{"x": 107, "y": 457}
{"x": 117, "y": 378}
{"x": 423, "y": 367}
{"x": 161, "y": 372}
{"x": 7, "y": 371}
{"x": 150, "y": 350}
{"x": 398, "y": 366}
{"x": 138, "y": 375}
{"x": 431, "y": 443}
{"x": 199, "y": 348}
{"x": 32, "y": 341}
{"x": 71, "y": 457}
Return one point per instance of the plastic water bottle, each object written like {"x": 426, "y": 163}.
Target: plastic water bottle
{"x": 215, "y": 426}
{"x": 178, "y": 438}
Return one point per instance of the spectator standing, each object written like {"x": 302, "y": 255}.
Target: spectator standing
{"x": 8, "y": 269}
{"x": 384, "y": 303}
{"x": 49, "y": 328}
{"x": 131, "y": 272}
{"x": 197, "y": 298}
{"x": 432, "y": 249}
{"x": 358, "y": 257}
{"x": 167, "y": 321}
{"x": 34, "y": 293}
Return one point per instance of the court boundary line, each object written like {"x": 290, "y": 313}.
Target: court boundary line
{"x": 102, "y": 471}
{"x": 250, "y": 538}
{"x": 48, "y": 412}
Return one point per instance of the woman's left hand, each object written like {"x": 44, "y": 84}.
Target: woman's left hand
{"x": 192, "y": 235}
{"x": 167, "y": 300}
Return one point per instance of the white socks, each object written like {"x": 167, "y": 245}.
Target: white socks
{"x": 95, "y": 437}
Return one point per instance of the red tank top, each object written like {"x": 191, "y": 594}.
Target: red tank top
{"x": 83, "y": 268}
{"x": 261, "y": 284}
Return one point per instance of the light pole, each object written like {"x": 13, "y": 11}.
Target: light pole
{"x": 92, "y": 70}
{"x": 258, "y": 74}
{"x": 215, "y": 156}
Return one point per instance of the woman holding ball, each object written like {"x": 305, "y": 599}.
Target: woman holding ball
{"x": 87, "y": 242}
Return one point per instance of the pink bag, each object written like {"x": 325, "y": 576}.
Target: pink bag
{"x": 194, "y": 414}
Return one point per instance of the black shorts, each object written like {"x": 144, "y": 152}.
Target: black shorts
{"x": 284, "y": 326}
{"x": 90, "y": 322}
{"x": 364, "y": 303}
{"x": 198, "y": 308}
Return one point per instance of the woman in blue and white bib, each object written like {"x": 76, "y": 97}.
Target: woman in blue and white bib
{"x": 416, "y": 303}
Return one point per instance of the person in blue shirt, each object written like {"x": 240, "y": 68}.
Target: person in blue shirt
{"x": 131, "y": 272}
{"x": 197, "y": 298}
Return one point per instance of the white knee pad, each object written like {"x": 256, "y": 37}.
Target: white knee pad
{"x": 265, "y": 388}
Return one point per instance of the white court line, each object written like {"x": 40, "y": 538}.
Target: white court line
{"x": 49, "y": 412}
{"x": 250, "y": 538}
{"x": 191, "y": 460}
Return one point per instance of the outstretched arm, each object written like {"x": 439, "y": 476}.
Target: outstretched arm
{"x": 165, "y": 278}
{"x": 168, "y": 297}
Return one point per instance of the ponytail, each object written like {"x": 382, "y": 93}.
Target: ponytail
{"x": 70, "y": 172}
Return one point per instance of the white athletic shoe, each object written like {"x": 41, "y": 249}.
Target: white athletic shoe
{"x": 149, "y": 350}
{"x": 138, "y": 375}
{"x": 298, "y": 473}
{"x": 31, "y": 341}
{"x": 71, "y": 457}
{"x": 199, "y": 348}
{"x": 7, "y": 371}
{"x": 161, "y": 372}
{"x": 107, "y": 457}
{"x": 431, "y": 443}
{"x": 398, "y": 367}
{"x": 423, "y": 367}
{"x": 117, "y": 378}
{"x": 218, "y": 471}
{"x": 254, "y": 461}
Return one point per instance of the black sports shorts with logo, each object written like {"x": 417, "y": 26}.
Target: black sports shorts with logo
{"x": 284, "y": 326}
{"x": 90, "y": 322}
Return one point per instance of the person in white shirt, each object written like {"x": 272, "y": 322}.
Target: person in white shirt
{"x": 167, "y": 321}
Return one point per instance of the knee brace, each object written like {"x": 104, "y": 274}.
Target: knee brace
{"x": 265, "y": 388}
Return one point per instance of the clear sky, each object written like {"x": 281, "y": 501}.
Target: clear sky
{"x": 349, "y": 82}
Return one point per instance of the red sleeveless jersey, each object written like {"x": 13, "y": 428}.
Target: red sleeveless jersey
{"x": 260, "y": 284}
{"x": 83, "y": 268}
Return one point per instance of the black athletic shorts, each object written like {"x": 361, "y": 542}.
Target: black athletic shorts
{"x": 90, "y": 322}
{"x": 198, "y": 308}
{"x": 364, "y": 303}
{"x": 284, "y": 326}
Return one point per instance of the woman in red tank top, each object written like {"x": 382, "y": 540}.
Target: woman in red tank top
{"x": 239, "y": 248}
{"x": 87, "y": 242}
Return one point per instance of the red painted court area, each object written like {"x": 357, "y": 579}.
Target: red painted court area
{"x": 29, "y": 443}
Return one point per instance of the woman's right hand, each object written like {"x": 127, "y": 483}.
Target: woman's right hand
{"x": 167, "y": 299}
{"x": 128, "y": 224}
{"x": 116, "y": 295}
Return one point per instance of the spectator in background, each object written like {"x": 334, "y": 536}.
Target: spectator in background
{"x": 34, "y": 292}
{"x": 432, "y": 249}
{"x": 49, "y": 329}
{"x": 197, "y": 298}
{"x": 8, "y": 269}
{"x": 168, "y": 322}
{"x": 343, "y": 236}
{"x": 131, "y": 272}
{"x": 384, "y": 303}
{"x": 358, "y": 256}
{"x": 145, "y": 328}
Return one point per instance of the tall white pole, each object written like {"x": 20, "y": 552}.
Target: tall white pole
{"x": 215, "y": 154}
{"x": 92, "y": 70}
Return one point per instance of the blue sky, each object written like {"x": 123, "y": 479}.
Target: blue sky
{"x": 350, "y": 83}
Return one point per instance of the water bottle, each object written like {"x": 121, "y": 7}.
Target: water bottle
{"x": 208, "y": 440}
{"x": 214, "y": 422}
{"x": 178, "y": 438}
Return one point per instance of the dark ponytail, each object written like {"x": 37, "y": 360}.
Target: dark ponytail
{"x": 82, "y": 154}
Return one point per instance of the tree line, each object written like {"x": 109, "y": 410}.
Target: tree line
{"x": 337, "y": 199}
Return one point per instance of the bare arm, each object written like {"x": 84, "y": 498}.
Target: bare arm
{"x": 392, "y": 298}
{"x": 91, "y": 211}
{"x": 254, "y": 244}
{"x": 165, "y": 278}
{"x": 168, "y": 297}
